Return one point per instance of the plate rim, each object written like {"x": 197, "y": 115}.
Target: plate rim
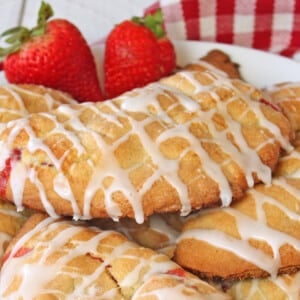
{"x": 233, "y": 50}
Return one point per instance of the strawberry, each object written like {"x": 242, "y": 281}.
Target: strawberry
{"x": 53, "y": 54}
{"x": 130, "y": 58}
{"x": 167, "y": 55}
{"x": 137, "y": 52}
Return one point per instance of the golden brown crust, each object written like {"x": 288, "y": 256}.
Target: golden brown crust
{"x": 264, "y": 223}
{"x": 19, "y": 100}
{"x": 76, "y": 145}
{"x": 74, "y": 260}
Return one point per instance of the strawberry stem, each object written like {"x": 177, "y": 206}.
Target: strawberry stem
{"x": 154, "y": 22}
{"x": 17, "y": 36}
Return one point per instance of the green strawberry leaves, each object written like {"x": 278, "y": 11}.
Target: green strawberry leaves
{"x": 152, "y": 21}
{"x": 17, "y": 36}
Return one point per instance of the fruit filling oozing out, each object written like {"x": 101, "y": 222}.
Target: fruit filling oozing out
{"x": 5, "y": 172}
{"x": 272, "y": 105}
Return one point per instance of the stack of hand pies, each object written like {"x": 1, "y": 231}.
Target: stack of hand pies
{"x": 187, "y": 188}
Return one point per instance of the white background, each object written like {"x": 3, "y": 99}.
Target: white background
{"x": 94, "y": 18}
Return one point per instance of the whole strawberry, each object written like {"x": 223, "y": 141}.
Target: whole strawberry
{"x": 53, "y": 54}
{"x": 135, "y": 55}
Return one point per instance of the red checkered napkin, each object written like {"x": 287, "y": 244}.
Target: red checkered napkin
{"x": 271, "y": 25}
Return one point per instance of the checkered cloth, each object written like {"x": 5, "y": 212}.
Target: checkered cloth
{"x": 271, "y": 25}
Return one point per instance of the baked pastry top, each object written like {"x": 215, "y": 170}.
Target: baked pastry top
{"x": 256, "y": 237}
{"x": 17, "y": 101}
{"x": 69, "y": 260}
{"x": 201, "y": 138}
{"x": 161, "y": 148}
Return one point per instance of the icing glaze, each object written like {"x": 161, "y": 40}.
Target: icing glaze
{"x": 36, "y": 273}
{"x": 254, "y": 228}
{"x": 120, "y": 113}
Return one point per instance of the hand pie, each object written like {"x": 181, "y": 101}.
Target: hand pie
{"x": 155, "y": 149}
{"x": 256, "y": 237}
{"x": 69, "y": 260}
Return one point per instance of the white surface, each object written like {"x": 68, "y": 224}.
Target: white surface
{"x": 94, "y": 18}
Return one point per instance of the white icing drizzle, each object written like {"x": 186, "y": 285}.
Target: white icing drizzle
{"x": 253, "y": 228}
{"x": 288, "y": 87}
{"x": 288, "y": 284}
{"x": 21, "y": 108}
{"x": 63, "y": 189}
{"x": 36, "y": 274}
{"x": 184, "y": 290}
{"x": 157, "y": 223}
{"x": 292, "y": 289}
{"x": 292, "y": 190}
{"x": 18, "y": 177}
{"x": 240, "y": 247}
{"x": 139, "y": 101}
{"x": 246, "y": 157}
{"x": 210, "y": 67}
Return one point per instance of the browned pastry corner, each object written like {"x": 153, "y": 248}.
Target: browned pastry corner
{"x": 194, "y": 140}
{"x": 216, "y": 60}
{"x": 256, "y": 237}
{"x": 281, "y": 287}
{"x": 74, "y": 261}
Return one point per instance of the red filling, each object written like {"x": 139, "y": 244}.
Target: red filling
{"x": 5, "y": 173}
{"x": 272, "y": 105}
{"x": 177, "y": 272}
{"x": 20, "y": 252}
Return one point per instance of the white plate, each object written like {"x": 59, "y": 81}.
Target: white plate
{"x": 257, "y": 67}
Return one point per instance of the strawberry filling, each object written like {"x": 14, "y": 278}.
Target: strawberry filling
{"x": 177, "y": 272}
{"x": 5, "y": 173}
{"x": 272, "y": 105}
{"x": 19, "y": 253}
